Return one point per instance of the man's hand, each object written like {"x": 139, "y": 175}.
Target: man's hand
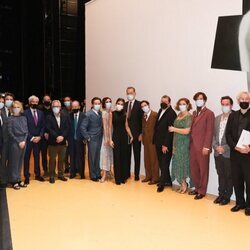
{"x": 164, "y": 149}
{"x": 205, "y": 151}
{"x": 140, "y": 137}
{"x": 220, "y": 150}
{"x": 59, "y": 139}
{"x": 22, "y": 144}
{"x": 36, "y": 139}
{"x": 46, "y": 136}
{"x": 244, "y": 150}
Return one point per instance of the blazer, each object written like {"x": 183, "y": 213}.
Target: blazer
{"x": 54, "y": 130}
{"x": 35, "y": 130}
{"x": 232, "y": 133}
{"x": 216, "y": 135}
{"x": 72, "y": 126}
{"x": 4, "y": 127}
{"x": 91, "y": 126}
{"x": 161, "y": 134}
{"x": 135, "y": 119}
{"x": 148, "y": 128}
{"x": 202, "y": 129}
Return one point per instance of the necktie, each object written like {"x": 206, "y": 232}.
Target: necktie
{"x": 145, "y": 117}
{"x": 75, "y": 126}
{"x": 129, "y": 109}
{"x": 35, "y": 117}
{"x": 8, "y": 113}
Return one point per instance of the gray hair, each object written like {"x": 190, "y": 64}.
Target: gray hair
{"x": 56, "y": 101}
{"x": 33, "y": 98}
{"x": 241, "y": 94}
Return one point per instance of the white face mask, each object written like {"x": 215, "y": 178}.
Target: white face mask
{"x": 97, "y": 107}
{"x": 67, "y": 103}
{"x": 146, "y": 109}
{"x": 108, "y": 105}
{"x": 56, "y": 110}
{"x": 119, "y": 107}
{"x": 199, "y": 103}
{"x": 225, "y": 109}
{"x": 130, "y": 97}
{"x": 182, "y": 107}
{"x": 16, "y": 111}
{"x": 1, "y": 105}
{"x": 8, "y": 103}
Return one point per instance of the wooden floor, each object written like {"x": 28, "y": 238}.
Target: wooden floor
{"x": 81, "y": 214}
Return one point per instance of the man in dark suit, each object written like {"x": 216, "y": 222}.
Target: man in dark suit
{"x": 163, "y": 139}
{"x": 92, "y": 131}
{"x": 57, "y": 126}
{"x": 76, "y": 145}
{"x": 36, "y": 126}
{"x": 222, "y": 153}
{"x": 3, "y": 170}
{"x": 134, "y": 116}
{"x": 201, "y": 137}
{"x": 240, "y": 154}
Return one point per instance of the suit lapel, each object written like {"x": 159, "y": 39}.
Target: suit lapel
{"x": 197, "y": 118}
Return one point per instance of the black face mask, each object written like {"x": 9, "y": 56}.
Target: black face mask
{"x": 164, "y": 105}
{"x": 75, "y": 110}
{"x": 46, "y": 103}
{"x": 244, "y": 105}
{"x": 34, "y": 106}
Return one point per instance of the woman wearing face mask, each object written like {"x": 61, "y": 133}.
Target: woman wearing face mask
{"x": 181, "y": 129}
{"x": 106, "y": 150}
{"x": 18, "y": 133}
{"x": 120, "y": 142}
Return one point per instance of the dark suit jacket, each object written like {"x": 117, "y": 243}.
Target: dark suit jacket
{"x": 35, "y": 130}
{"x": 72, "y": 128}
{"x": 232, "y": 133}
{"x": 135, "y": 119}
{"x": 4, "y": 127}
{"x": 201, "y": 135}
{"x": 54, "y": 131}
{"x": 161, "y": 134}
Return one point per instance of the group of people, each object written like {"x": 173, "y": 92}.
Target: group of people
{"x": 186, "y": 139}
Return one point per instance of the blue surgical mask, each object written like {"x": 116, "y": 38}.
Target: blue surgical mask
{"x": 1, "y": 105}
{"x": 97, "y": 107}
{"x": 146, "y": 109}
{"x": 16, "y": 111}
{"x": 225, "y": 109}
{"x": 199, "y": 103}
{"x": 182, "y": 108}
{"x": 56, "y": 110}
{"x": 130, "y": 97}
{"x": 8, "y": 103}
{"x": 108, "y": 105}
{"x": 67, "y": 104}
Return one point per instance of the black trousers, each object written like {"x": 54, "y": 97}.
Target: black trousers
{"x": 44, "y": 151}
{"x": 77, "y": 157}
{"x": 137, "y": 157}
{"x": 164, "y": 163}
{"x": 223, "y": 168}
{"x": 4, "y": 173}
{"x": 241, "y": 178}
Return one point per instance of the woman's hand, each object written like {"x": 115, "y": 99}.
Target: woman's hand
{"x": 111, "y": 143}
{"x": 22, "y": 144}
{"x": 131, "y": 140}
{"x": 171, "y": 128}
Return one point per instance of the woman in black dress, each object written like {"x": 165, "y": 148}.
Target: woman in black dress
{"x": 120, "y": 139}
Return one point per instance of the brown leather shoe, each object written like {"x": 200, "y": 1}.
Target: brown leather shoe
{"x": 199, "y": 196}
{"x": 152, "y": 182}
{"x": 145, "y": 180}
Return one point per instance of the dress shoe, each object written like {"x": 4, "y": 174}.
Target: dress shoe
{"x": 52, "y": 180}
{"x": 62, "y": 178}
{"x": 224, "y": 202}
{"x": 160, "y": 189}
{"x": 27, "y": 181}
{"x": 199, "y": 196}
{"x": 145, "y": 180}
{"x": 193, "y": 192}
{"x": 247, "y": 211}
{"x": 99, "y": 177}
{"x": 72, "y": 176}
{"x": 39, "y": 178}
{"x": 95, "y": 179}
{"x": 218, "y": 199}
{"x": 237, "y": 208}
{"x": 82, "y": 177}
{"x": 152, "y": 182}
{"x": 168, "y": 184}
{"x": 137, "y": 178}
{"x": 118, "y": 183}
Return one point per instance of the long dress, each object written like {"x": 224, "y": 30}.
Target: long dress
{"x": 120, "y": 139}
{"x": 106, "y": 161}
{"x": 180, "y": 160}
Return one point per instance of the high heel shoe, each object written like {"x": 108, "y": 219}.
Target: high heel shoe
{"x": 184, "y": 190}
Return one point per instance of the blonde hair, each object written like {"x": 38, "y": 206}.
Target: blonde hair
{"x": 18, "y": 104}
{"x": 241, "y": 94}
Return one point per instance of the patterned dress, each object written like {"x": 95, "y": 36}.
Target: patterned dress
{"x": 106, "y": 161}
{"x": 180, "y": 160}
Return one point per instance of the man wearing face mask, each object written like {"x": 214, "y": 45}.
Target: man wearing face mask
{"x": 222, "y": 153}
{"x": 36, "y": 126}
{"x": 150, "y": 156}
{"x": 5, "y": 114}
{"x": 91, "y": 131}
{"x": 47, "y": 110}
{"x": 134, "y": 117}
{"x": 163, "y": 140}
{"x": 200, "y": 145}
{"x": 76, "y": 145}
{"x": 57, "y": 126}
{"x": 240, "y": 156}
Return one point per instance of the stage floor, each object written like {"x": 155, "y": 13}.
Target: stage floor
{"x": 81, "y": 214}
